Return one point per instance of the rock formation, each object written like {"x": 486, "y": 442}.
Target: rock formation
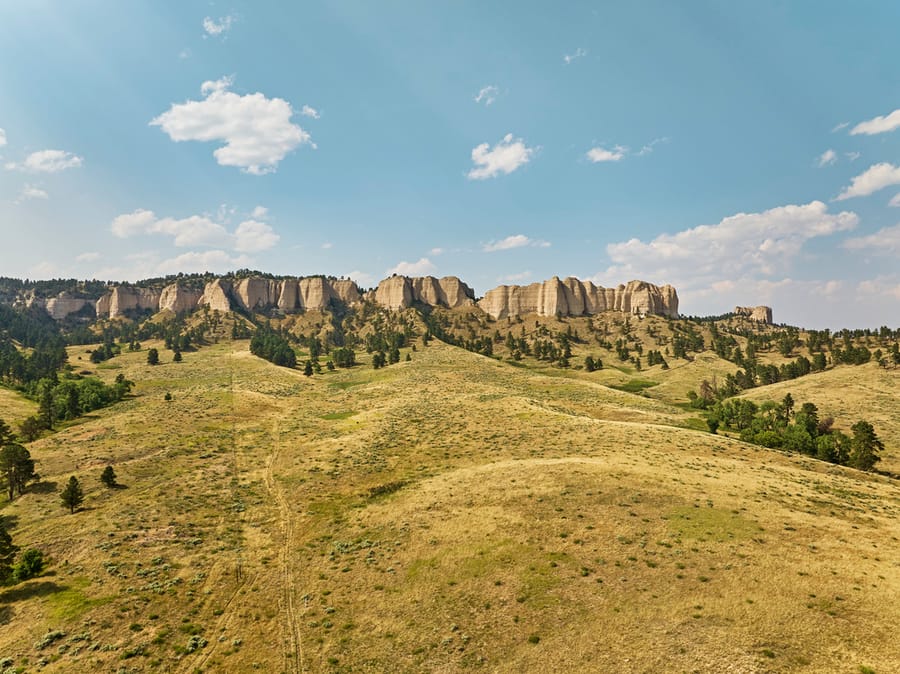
{"x": 762, "y": 313}
{"x": 178, "y": 299}
{"x": 400, "y": 292}
{"x": 216, "y": 296}
{"x": 572, "y": 297}
{"x": 63, "y": 305}
{"x": 569, "y": 297}
{"x": 127, "y": 298}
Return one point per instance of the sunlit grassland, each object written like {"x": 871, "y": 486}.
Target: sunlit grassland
{"x": 444, "y": 514}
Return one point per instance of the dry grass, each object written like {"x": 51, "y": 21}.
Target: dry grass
{"x": 521, "y": 522}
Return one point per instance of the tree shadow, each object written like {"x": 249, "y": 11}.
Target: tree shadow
{"x": 29, "y": 590}
{"x": 9, "y": 521}
{"x": 6, "y": 614}
{"x": 117, "y": 485}
{"x": 43, "y": 487}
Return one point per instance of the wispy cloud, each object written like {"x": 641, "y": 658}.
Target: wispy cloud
{"x": 31, "y": 192}
{"x": 838, "y": 127}
{"x": 514, "y": 241}
{"x": 91, "y": 256}
{"x": 895, "y": 201}
{"x": 648, "y": 148}
{"x": 874, "y": 178}
{"x": 827, "y": 158}
{"x": 601, "y": 154}
{"x": 218, "y": 27}
{"x": 886, "y": 241}
{"x": 2, "y": 137}
{"x": 883, "y": 124}
{"x": 47, "y": 161}
{"x": 577, "y": 54}
{"x": 257, "y": 132}
{"x": 309, "y": 111}
{"x": 421, "y": 267}
{"x": 515, "y": 278}
{"x": 250, "y": 236}
{"x": 487, "y": 95}
{"x": 505, "y": 157}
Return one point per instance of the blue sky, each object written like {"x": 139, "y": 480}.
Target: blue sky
{"x": 745, "y": 152}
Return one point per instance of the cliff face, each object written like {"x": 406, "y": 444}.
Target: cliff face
{"x": 572, "y": 297}
{"x": 762, "y": 313}
{"x": 127, "y": 298}
{"x": 178, "y": 300}
{"x": 569, "y": 296}
{"x": 399, "y": 292}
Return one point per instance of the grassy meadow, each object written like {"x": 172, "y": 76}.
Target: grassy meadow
{"x": 450, "y": 513}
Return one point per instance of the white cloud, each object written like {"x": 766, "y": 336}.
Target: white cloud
{"x": 505, "y": 157}
{"x": 515, "y": 278}
{"x": 218, "y": 27}
{"x": 184, "y": 54}
{"x": 514, "y": 241}
{"x": 250, "y": 236}
{"x": 32, "y": 192}
{"x": 744, "y": 245}
{"x": 45, "y": 269}
{"x": 256, "y": 131}
{"x": 487, "y": 95}
{"x": 599, "y": 154}
{"x": 885, "y": 241}
{"x": 568, "y": 58}
{"x": 875, "y": 178}
{"x": 259, "y": 213}
{"x": 327, "y": 245}
{"x": 828, "y": 289}
{"x": 422, "y": 267}
{"x": 895, "y": 201}
{"x": 2, "y": 137}
{"x": 309, "y": 111}
{"x": 129, "y": 224}
{"x": 91, "y": 256}
{"x": 838, "y": 127}
{"x": 363, "y": 279}
{"x": 216, "y": 261}
{"x": 827, "y": 158}
{"x": 881, "y": 286}
{"x": 436, "y": 251}
{"x": 852, "y": 156}
{"x": 48, "y": 161}
{"x": 883, "y": 124}
{"x": 648, "y": 148}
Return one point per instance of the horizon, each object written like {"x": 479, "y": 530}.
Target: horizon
{"x": 731, "y": 152}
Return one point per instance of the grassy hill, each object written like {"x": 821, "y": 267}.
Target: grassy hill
{"x": 449, "y": 513}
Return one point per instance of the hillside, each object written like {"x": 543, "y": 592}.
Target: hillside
{"x": 446, "y": 513}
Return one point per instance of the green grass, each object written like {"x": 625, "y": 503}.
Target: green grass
{"x": 635, "y": 385}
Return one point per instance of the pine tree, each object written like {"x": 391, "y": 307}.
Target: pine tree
{"x": 108, "y": 477}
{"x": 864, "y": 446}
{"x": 308, "y": 369}
{"x": 72, "y": 496}
{"x": 16, "y": 469}
{"x": 7, "y": 554}
{"x": 152, "y": 357}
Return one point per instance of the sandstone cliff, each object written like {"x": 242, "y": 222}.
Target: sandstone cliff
{"x": 216, "y": 296}
{"x": 63, "y": 305}
{"x": 127, "y": 298}
{"x": 178, "y": 299}
{"x": 400, "y": 292}
{"x": 762, "y": 313}
{"x": 572, "y": 297}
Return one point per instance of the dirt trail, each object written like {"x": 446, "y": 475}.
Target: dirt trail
{"x": 294, "y": 657}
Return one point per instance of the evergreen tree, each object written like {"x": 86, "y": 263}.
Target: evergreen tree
{"x": 7, "y": 554}
{"x": 72, "y": 496}
{"x": 6, "y": 434}
{"x": 108, "y": 477}
{"x": 176, "y": 358}
{"x": 308, "y": 368}
{"x": 152, "y": 357}
{"x": 16, "y": 468}
{"x": 864, "y": 446}
{"x": 30, "y": 565}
